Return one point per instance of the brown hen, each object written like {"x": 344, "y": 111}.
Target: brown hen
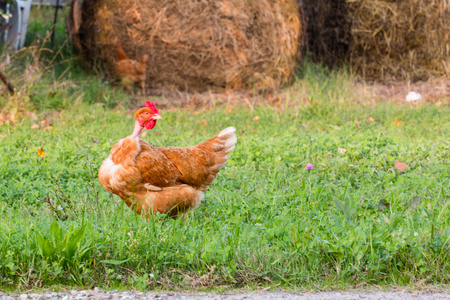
{"x": 167, "y": 180}
{"x": 131, "y": 71}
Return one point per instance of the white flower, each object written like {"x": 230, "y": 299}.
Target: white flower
{"x": 151, "y": 275}
{"x": 59, "y": 207}
{"x": 413, "y": 96}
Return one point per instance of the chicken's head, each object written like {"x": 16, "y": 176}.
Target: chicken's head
{"x": 148, "y": 115}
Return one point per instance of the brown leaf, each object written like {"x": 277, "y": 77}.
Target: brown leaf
{"x": 34, "y": 126}
{"x": 357, "y": 123}
{"x": 383, "y": 204}
{"x": 204, "y": 122}
{"x": 40, "y": 152}
{"x": 255, "y": 118}
{"x": 398, "y": 122}
{"x": 229, "y": 110}
{"x": 371, "y": 120}
{"x": 47, "y": 128}
{"x": 400, "y": 166}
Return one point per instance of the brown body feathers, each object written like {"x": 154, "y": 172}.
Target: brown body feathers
{"x": 166, "y": 180}
{"x": 131, "y": 71}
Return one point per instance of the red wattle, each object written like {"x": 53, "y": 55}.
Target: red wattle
{"x": 150, "y": 124}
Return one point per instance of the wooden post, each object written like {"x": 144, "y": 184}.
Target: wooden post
{"x": 54, "y": 23}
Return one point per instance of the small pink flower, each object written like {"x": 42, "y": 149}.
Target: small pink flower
{"x": 362, "y": 202}
{"x": 309, "y": 166}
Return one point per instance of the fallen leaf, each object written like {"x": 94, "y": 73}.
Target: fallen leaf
{"x": 383, "y": 204}
{"x": 255, "y": 118}
{"x": 253, "y": 130}
{"x": 40, "y": 152}
{"x": 400, "y": 166}
{"x": 47, "y": 128}
{"x": 398, "y": 122}
{"x": 357, "y": 123}
{"x": 173, "y": 109}
{"x": 412, "y": 203}
{"x": 342, "y": 150}
{"x": 34, "y": 126}
{"x": 371, "y": 120}
{"x": 12, "y": 117}
{"x": 204, "y": 122}
{"x": 229, "y": 110}
{"x": 304, "y": 125}
{"x": 196, "y": 112}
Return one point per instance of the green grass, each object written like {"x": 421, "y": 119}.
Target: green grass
{"x": 266, "y": 220}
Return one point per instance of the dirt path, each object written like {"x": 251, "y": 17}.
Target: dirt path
{"x": 98, "y": 294}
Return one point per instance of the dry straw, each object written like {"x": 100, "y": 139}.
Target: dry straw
{"x": 197, "y": 45}
{"x": 405, "y": 39}
{"x": 383, "y": 40}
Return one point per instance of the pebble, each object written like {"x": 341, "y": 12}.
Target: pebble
{"x": 97, "y": 294}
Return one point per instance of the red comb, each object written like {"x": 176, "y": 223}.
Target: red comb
{"x": 152, "y": 106}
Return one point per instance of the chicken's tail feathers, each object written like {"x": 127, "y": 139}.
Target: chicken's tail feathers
{"x": 218, "y": 147}
{"x": 120, "y": 52}
{"x": 228, "y": 135}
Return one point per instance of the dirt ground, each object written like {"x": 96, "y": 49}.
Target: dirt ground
{"x": 435, "y": 91}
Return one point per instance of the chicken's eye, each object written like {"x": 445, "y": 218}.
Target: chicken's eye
{"x": 146, "y": 113}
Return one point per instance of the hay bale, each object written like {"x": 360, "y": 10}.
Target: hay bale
{"x": 197, "y": 45}
{"x": 397, "y": 40}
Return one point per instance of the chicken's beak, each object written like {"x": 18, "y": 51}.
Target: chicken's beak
{"x": 156, "y": 117}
